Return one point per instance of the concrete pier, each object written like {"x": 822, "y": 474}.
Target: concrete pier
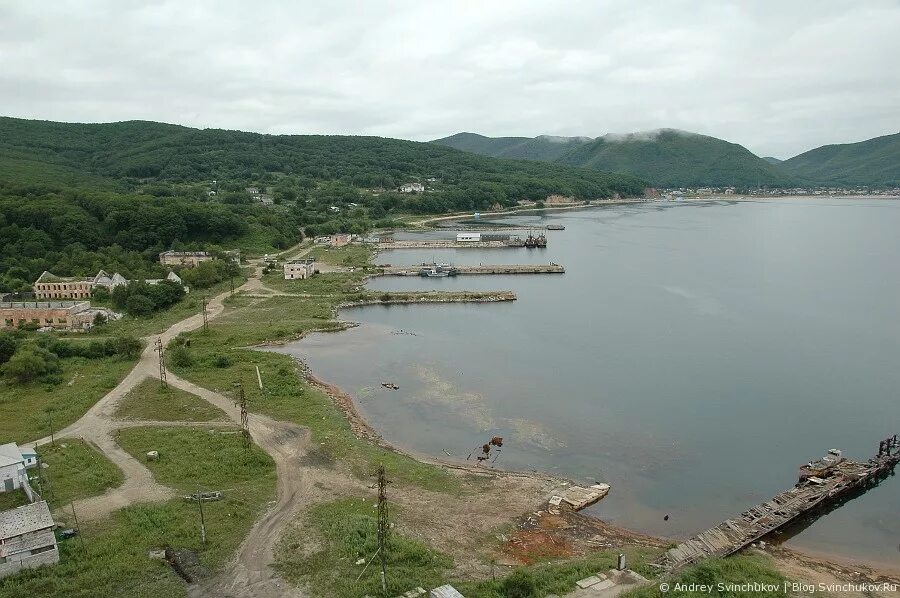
{"x": 486, "y": 269}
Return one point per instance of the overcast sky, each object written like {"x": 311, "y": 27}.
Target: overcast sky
{"x": 779, "y": 77}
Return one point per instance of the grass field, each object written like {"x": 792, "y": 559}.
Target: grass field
{"x": 23, "y": 407}
{"x": 159, "y": 321}
{"x": 344, "y": 532}
{"x": 285, "y": 395}
{"x": 74, "y": 470}
{"x": 114, "y": 558}
{"x": 149, "y": 401}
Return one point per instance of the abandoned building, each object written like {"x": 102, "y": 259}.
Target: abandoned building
{"x": 299, "y": 269}
{"x": 26, "y": 538}
{"x": 340, "y": 239}
{"x": 51, "y": 286}
{"x": 12, "y": 468}
{"x": 63, "y": 315}
{"x": 187, "y": 259}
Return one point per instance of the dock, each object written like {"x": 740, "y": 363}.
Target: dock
{"x": 473, "y": 270}
{"x": 811, "y": 494}
{"x": 450, "y": 244}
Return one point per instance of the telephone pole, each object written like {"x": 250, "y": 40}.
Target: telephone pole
{"x": 162, "y": 363}
{"x": 50, "y": 417}
{"x": 382, "y": 526}
{"x": 205, "y": 318}
{"x": 202, "y": 520}
{"x": 245, "y": 420}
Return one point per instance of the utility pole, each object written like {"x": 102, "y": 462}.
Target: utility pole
{"x": 50, "y": 417}
{"x": 202, "y": 520}
{"x": 232, "y": 286}
{"x": 382, "y": 526}
{"x": 205, "y": 318}
{"x": 77, "y": 526}
{"x": 245, "y": 420}
{"x": 162, "y": 363}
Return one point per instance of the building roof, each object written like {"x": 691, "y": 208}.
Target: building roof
{"x": 10, "y": 454}
{"x": 25, "y": 519}
{"x": 72, "y": 305}
{"x": 184, "y": 253}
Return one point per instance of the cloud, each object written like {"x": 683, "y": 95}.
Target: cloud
{"x": 777, "y": 77}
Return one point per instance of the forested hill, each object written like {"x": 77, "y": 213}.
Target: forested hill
{"x": 545, "y": 148}
{"x": 666, "y": 158}
{"x": 875, "y": 162}
{"x": 75, "y": 198}
{"x": 147, "y": 150}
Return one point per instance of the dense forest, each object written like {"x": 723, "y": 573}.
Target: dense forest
{"x": 75, "y": 198}
{"x": 875, "y": 162}
{"x": 665, "y": 158}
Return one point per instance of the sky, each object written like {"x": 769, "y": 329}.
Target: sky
{"x": 779, "y": 77}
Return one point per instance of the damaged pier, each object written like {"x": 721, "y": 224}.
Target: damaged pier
{"x": 821, "y": 484}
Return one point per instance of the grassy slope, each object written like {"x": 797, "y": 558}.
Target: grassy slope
{"x": 75, "y": 470}
{"x": 12, "y": 499}
{"x": 23, "y": 407}
{"x": 149, "y": 401}
{"x": 113, "y": 560}
{"x": 346, "y": 530}
{"x": 873, "y": 162}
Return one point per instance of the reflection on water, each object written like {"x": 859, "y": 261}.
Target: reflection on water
{"x": 692, "y": 356}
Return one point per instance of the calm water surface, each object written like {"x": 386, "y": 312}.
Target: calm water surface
{"x": 693, "y": 355}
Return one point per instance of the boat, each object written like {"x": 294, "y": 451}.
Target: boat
{"x": 390, "y": 386}
{"x": 438, "y": 271}
{"x": 555, "y": 227}
{"x": 821, "y": 467}
{"x": 539, "y": 241}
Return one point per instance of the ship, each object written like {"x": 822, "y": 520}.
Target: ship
{"x": 555, "y": 227}
{"x": 539, "y": 241}
{"x": 438, "y": 271}
{"x": 821, "y": 467}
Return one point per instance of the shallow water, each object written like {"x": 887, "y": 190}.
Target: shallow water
{"x": 693, "y": 355}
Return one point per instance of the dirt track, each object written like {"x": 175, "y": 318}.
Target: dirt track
{"x": 249, "y": 573}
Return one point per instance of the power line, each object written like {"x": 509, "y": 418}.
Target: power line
{"x": 245, "y": 419}
{"x": 162, "y": 363}
{"x": 382, "y": 526}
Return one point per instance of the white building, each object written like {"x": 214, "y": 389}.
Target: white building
{"x": 12, "y": 468}
{"x": 412, "y": 188}
{"x": 26, "y": 538}
{"x": 468, "y": 237}
{"x": 298, "y": 269}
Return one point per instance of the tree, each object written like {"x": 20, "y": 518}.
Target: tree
{"x": 8, "y": 346}
{"x": 139, "y": 305}
{"x": 30, "y": 363}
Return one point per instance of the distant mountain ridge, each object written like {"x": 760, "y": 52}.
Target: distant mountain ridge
{"x": 665, "y": 157}
{"x": 874, "y": 162}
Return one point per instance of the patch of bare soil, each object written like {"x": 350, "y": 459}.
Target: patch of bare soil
{"x": 840, "y": 581}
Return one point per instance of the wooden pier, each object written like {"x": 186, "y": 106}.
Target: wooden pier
{"x": 809, "y": 495}
{"x": 472, "y": 270}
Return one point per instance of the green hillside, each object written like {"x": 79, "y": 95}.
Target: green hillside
{"x": 75, "y": 198}
{"x": 875, "y": 162}
{"x": 666, "y": 158}
{"x": 670, "y": 158}
{"x": 545, "y": 148}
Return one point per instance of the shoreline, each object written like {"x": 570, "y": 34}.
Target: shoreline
{"x": 366, "y": 432}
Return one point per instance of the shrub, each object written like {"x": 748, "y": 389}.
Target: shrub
{"x": 180, "y": 356}
{"x": 31, "y": 363}
{"x": 221, "y": 361}
{"x": 520, "y": 584}
{"x": 8, "y": 345}
{"x": 139, "y": 305}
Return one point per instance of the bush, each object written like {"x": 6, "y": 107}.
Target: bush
{"x": 8, "y": 345}
{"x": 221, "y": 361}
{"x": 31, "y": 363}
{"x": 520, "y": 584}
{"x": 180, "y": 356}
{"x": 100, "y": 294}
{"x": 139, "y": 305}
